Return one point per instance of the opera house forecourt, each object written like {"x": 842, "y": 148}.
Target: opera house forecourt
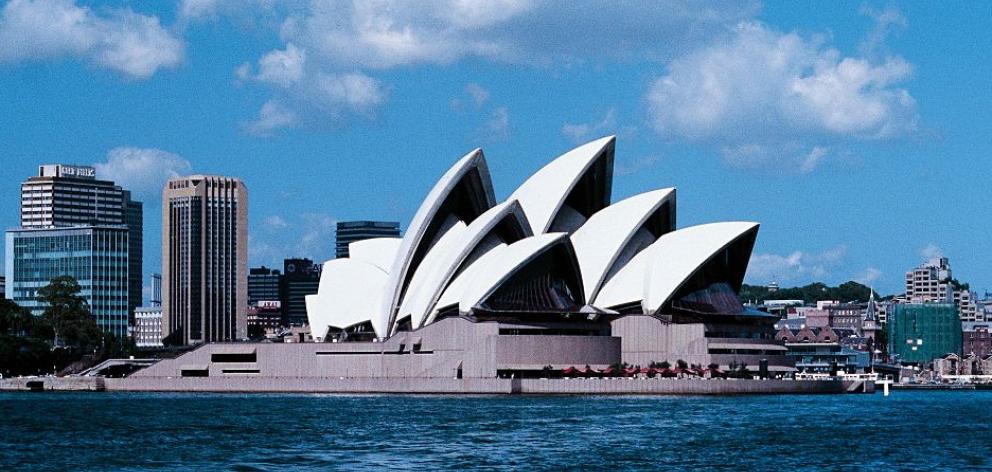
{"x": 550, "y": 291}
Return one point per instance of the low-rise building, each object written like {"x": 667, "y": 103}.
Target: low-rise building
{"x": 821, "y": 349}
{"x": 976, "y": 339}
{"x": 953, "y": 364}
{"x": 837, "y": 315}
{"x": 148, "y": 327}
{"x": 264, "y": 316}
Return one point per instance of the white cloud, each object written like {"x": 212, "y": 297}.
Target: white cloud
{"x": 357, "y": 92}
{"x": 282, "y": 67}
{"x": 271, "y": 117}
{"x": 198, "y": 9}
{"x": 813, "y": 159}
{"x": 931, "y": 251}
{"x": 130, "y": 43}
{"x": 305, "y": 235}
{"x": 763, "y": 83}
{"x": 316, "y": 233}
{"x": 769, "y": 99}
{"x": 304, "y": 93}
{"x": 869, "y": 276}
{"x": 475, "y": 95}
{"x": 498, "y": 126}
{"x": 580, "y": 132}
{"x": 479, "y": 94}
{"x": 143, "y": 171}
{"x": 380, "y": 34}
{"x": 351, "y": 40}
{"x": 885, "y": 21}
{"x": 797, "y": 266}
{"x": 789, "y": 156}
{"x": 275, "y": 222}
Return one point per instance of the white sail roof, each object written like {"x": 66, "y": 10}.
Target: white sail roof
{"x": 440, "y": 264}
{"x": 602, "y": 241}
{"x": 349, "y": 293}
{"x": 380, "y": 252}
{"x": 544, "y": 193}
{"x": 430, "y": 217}
{"x": 456, "y": 289}
{"x": 656, "y": 273}
{"x": 680, "y": 254}
{"x": 495, "y": 270}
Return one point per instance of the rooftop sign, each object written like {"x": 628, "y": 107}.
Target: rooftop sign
{"x": 62, "y": 170}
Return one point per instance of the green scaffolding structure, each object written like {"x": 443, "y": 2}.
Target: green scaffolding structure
{"x": 922, "y": 332}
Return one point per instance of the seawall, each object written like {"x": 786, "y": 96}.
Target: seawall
{"x": 596, "y": 386}
{"x": 52, "y": 383}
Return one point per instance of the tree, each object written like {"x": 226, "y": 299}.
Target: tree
{"x": 68, "y": 315}
{"x": 23, "y": 349}
{"x": 14, "y": 320}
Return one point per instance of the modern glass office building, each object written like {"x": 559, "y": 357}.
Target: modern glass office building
{"x": 96, "y": 256}
{"x": 922, "y": 332}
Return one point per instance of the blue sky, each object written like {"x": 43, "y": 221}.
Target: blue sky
{"x": 858, "y": 134}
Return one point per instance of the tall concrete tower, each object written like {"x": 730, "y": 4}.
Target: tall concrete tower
{"x": 204, "y": 260}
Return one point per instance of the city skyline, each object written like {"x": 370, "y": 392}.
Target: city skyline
{"x": 860, "y": 180}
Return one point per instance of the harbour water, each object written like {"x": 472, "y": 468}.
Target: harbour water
{"x": 115, "y": 431}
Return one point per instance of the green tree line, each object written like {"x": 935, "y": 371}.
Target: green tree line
{"x": 814, "y": 292}
{"x": 64, "y": 334}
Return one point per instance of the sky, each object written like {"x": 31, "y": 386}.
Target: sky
{"x": 857, "y": 133}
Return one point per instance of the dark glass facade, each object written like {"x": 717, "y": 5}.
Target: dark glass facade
{"x": 301, "y": 277}
{"x": 351, "y": 231}
{"x": 263, "y": 285}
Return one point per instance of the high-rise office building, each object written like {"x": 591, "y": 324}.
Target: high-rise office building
{"x": 351, "y": 231}
{"x": 96, "y": 256}
{"x": 301, "y": 277}
{"x": 134, "y": 220}
{"x": 263, "y": 285}
{"x": 156, "y": 296}
{"x": 66, "y": 206}
{"x": 204, "y": 259}
{"x": 65, "y": 195}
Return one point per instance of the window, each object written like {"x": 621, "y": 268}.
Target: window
{"x": 233, "y": 357}
{"x": 195, "y": 373}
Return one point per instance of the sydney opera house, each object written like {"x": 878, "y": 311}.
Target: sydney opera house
{"x": 558, "y": 275}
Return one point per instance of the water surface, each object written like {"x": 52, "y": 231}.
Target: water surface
{"x": 118, "y": 431}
